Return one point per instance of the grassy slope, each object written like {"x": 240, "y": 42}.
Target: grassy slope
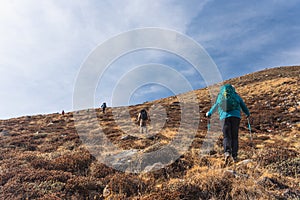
{"x": 42, "y": 157}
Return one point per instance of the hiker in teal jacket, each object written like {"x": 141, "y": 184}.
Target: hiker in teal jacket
{"x": 229, "y": 105}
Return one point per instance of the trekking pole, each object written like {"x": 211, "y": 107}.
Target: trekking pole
{"x": 249, "y": 127}
{"x": 208, "y": 125}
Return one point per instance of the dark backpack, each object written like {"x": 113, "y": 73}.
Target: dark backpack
{"x": 228, "y": 99}
{"x": 144, "y": 115}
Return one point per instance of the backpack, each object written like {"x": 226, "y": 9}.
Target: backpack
{"x": 144, "y": 115}
{"x": 228, "y": 99}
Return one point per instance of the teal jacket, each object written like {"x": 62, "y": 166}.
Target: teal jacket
{"x": 233, "y": 113}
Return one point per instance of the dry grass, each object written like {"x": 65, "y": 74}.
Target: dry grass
{"x": 43, "y": 157}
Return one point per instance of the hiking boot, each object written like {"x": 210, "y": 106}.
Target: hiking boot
{"x": 235, "y": 159}
{"x": 227, "y": 155}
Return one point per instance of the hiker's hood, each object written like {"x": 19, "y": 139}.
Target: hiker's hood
{"x": 227, "y": 87}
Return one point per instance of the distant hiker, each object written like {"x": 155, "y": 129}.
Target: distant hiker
{"x": 63, "y": 112}
{"x": 229, "y": 105}
{"x": 142, "y": 119}
{"x": 103, "y": 106}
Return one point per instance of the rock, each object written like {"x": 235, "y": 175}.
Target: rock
{"x": 127, "y": 137}
{"x": 292, "y": 109}
{"x": 246, "y": 161}
{"x": 4, "y": 133}
{"x": 278, "y": 108}
{"x": 121, "y": 160}
{"x": 49, "y": 124}
{"x": 154, "y": 167}
{"x": 106, "y": 191}
{"x": 269, "y": 130}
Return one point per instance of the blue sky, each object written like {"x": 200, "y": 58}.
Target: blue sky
{"x": 43, "y": 45}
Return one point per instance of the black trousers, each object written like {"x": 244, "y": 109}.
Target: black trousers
{"x": 230, "y": 135}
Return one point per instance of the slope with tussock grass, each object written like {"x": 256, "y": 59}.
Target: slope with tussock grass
{"x": 43, "y": 157}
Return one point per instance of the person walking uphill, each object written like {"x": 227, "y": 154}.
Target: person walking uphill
{"x": 142, "y": 119}
{"x": 103, "y": 106}
{"x": 229, "y": 105}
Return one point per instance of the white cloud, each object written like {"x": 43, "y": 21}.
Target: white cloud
{"x": 43, "y": 43}
{"x": 243, "y": 37}
{"x": 287, "y": 57}
{"x": 157, "y": 74}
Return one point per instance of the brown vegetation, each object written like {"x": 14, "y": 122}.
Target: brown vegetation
{"x": 43, "y": 157}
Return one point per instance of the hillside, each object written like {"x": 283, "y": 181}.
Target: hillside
{"x": 45, "y": 157}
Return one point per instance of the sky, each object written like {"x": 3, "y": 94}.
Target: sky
{"x": 45, "y": 44}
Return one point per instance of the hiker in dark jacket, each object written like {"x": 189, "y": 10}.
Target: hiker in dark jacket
{"x": 142, "y": 120}
{"x": 103, "y": 106}
{"x": 229, "y": 105}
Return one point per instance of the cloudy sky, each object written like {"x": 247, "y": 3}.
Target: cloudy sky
{"x": 44, "y": 44}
